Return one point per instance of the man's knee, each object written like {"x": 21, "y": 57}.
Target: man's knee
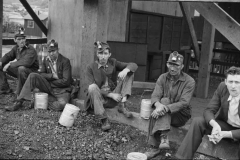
{"x": 21, "y": 69}
{"x": 33, "y": 75}
{"x": 198, "y": 121}
{"x": 93, "y": 88}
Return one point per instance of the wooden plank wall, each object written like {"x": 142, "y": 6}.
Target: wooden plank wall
{"x": 1, "y": 21}
{"x": 66, "y": 26}
{"x": 167, "y": 8}
{"x": 131, "y": 52}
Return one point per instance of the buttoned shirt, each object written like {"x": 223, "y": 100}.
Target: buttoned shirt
{"x": 105, "y": 86}
{"x": 55, "y": 65}
{"x": 233, "y": 117}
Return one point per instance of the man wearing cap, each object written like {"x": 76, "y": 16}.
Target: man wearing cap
{"x": 55, "y": 78}
{"x": 171, "y": 103}
{"x": 106, "y": 88}
{"x": 26, "y": 63}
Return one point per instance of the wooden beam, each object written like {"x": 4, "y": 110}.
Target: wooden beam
{"x": 224, "y": 23}
{"x": 186, "y": 13}
{"x": 31, "y": 41}
{"x": 1, "y": 26}
{"x": 190, "y": 0}
{"x": 34, "y": 16}
{"x": 205, "y": 61}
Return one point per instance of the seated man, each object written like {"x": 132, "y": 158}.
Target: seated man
{"x": 171, "y": 102}
{"x": 106, "y": 88}
{"x": 225, "y": 125}
{"x": 55, "y": 78}
{"x": 26, "y": 63}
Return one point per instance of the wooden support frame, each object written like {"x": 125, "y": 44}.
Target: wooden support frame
{"x": 223, "y": 22}
{"x": 206, "y": 59}
{"x": 185, "y": 10}
{"x": 34, "y": 16}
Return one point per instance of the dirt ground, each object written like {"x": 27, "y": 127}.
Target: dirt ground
{"x": 36, "y": 134}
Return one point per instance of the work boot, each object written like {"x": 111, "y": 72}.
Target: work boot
{"x": 105, "y": 124}
{"x": 154, "y": 152}
{"x": 16, "y": 106}
{"x": 122, "y": 109}
{"x": 164, "y": 142}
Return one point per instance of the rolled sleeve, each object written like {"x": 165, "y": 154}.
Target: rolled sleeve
{"x": 158, "y": 91}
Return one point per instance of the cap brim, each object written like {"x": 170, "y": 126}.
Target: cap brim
{"x": 20, "y": 36}
{"x": 50, "y": 50}
{"x": 173, "y": 63}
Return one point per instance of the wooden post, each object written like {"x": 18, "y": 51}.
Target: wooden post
{"x": 205, "y": 59}
{"x": 185, "y": 7}
{"x": 1, "y": 26}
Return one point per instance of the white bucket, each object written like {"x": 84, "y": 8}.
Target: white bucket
{"x": 68, "y": 115}
{"x": 41, "y": 100}
{"x": 136, "y": 156}
{"x": 146, "y": 108}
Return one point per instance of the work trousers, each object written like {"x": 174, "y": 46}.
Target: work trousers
{"x": 99, "y": 102}
{"x": 20, "y": 72}
{"x": 56, "y": 101}
{"x": 164, "y": 123}
{"x": 193, "y": 138}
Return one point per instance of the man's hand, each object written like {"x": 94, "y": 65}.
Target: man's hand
{"x": 6, "y": 67}
{"x": 216, "y": 128}
{"x": 218, "y": 137}
{"x": 55, "y": 76}
{"x": 215, "y": 136}
{"x": 115, "y": 96}
{"x": 160, "y": 110}
{"x": 123, "y": 73}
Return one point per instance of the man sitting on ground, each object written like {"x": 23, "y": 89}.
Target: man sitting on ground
{"x": 55, "y": 78}
{"x": 171, "y": 102}
{"x": 26, "y": 63}
{"x": 226, "y": 124}
{"x": 106, "y": 88}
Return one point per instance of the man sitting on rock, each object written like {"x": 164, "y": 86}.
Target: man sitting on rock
{"x": 106, "y": 88}
{"x": 226, "y": 124}
{"x": 55, "y": 78}
{"x": 171, "y": 102}
{"x": 26, "y": 63}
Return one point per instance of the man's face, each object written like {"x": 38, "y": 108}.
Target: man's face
{"x": 53, "y": 54}
{"x": 174, "y": 69}
{"x": 233, "y": 84}
{"x": 21, "y": 41}
{"x": 103, "y": 56}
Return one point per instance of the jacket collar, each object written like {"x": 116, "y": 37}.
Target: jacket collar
{"x": 99, "y": 65}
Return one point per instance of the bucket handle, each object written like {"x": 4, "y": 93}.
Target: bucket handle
{"x": 146, "y": 90}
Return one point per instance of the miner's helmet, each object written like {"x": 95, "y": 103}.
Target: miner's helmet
{"x": 101, "y": 46}
{"x": 175, "y": 58}
{"x": 52, "y": 45}
{"x": 20, "y": 33}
